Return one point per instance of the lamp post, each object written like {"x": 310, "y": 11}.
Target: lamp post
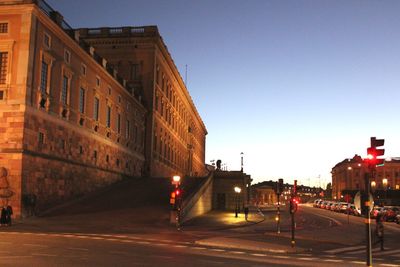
{"x": 237, "y": 191}
{"x": 385, "y": 184}
{"x": 241, "y": 161}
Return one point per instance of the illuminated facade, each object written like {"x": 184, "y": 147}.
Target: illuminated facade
{"x": 349, "y": 175}
{"x": 175, "y": 132}
{"x": 69, "y": 124}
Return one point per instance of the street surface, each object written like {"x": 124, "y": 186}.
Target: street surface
{"x": 323, "y": 239}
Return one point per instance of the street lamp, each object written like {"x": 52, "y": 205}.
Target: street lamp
{"x": 385, "y": 184}
{"x": 241, "y": 164}
{"x": 237, "y": 191}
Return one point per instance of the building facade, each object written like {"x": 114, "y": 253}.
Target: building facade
{"x": 175, "y": 133}
{"x": 349, "y": 175}
{"x": 69, "y": 123}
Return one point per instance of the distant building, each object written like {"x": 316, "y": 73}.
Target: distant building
{"x": 73, "y": 119}
{"x": 349, "y": 175}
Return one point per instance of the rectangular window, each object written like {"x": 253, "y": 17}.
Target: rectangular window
{"x": 3, "y": 27}
{"x": 108, "y": 121}
{"x": 134, "y": 71}
{"x": 47, "y": 40}
{"x": 96, "y": 109}
{"x": 3, "y": 67}
{"x": 43, "y": 77}
{"x": 82, "y": 100}
{"x": 83, "y": 70}
{"x": 128, "y": 127}
{"x": 64, "y": 91}
{"x": 119, "y": 123}
{"x": 97, "y": 81}
{"x": 67, "y": 56}
{"x": 41, "y": 138}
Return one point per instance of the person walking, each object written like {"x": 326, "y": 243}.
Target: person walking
{"x": 3, "y": 216}
{"x": 246, "y": 212}
{"x": 9, "y": 212}
{"x": 379, "y": 230}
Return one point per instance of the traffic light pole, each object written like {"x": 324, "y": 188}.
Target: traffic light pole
{"x": 293, "y": 242}
{"x": 278, "y": 222}
{"x": 368, "y": 218}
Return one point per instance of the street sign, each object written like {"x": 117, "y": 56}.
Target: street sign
{"x": 357, "y": 201}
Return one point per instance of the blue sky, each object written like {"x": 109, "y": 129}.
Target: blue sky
{"x": 296, "y": 85}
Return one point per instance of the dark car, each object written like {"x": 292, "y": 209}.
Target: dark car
{"x": 397, "y": 219}
{"x": 391, "y": 213}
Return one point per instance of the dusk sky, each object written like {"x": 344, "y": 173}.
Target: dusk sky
{"x": 296, "y": 85}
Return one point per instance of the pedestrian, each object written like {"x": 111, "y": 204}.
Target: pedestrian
{"x": 246, "y": 212}
{"x": 3, "y": 216}
{"x": 379, "y": 230}
{"x": 9, "y": 212}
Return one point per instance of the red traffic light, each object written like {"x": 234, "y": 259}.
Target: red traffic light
{"x": 177, "y": 192}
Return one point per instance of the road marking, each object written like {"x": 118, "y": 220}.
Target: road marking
{"x": 332, "y": 260}
{"x": 217, "y": 249}
{"x": 160, "y": 244}
{"x": 237, "y": 252}
{"x": 306, "y": 259}
{"x": 81, "y": 249}
{"x": 338, "y": 250}
{"x": 281, "y": 257}
{"x": 199, "y": 248}
{"x": 14, "y": 257}
{"x": 258, "y": 255}
{"x": 358, "y": 262}
{"x": 44, "y": 254}
{"x": 390, "y": 265}
{"x": 330, "y": 218}
{"x": 35, "y": 245}
{"x": 5, "y": 242}
{"x": 180, "y": 246}
{"x": 388, "y": 252}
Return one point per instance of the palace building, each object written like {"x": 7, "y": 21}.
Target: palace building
{"x": 78, "y": 113}
{"x": 175, "y": 139}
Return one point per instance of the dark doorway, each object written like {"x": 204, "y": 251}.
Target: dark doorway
{"x": 221, "y": 201}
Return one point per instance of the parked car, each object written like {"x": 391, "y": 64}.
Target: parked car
{"x": 397, "y": 219}
{"x": 376, "y": 210}
{"x": 353, "y": 210}
{"x": 323, "y": 204}
{"x": 390, "y": 213}
{"x": 335, "y": 207}
{"x": 315, "y": 204}
{"x": 343, "y": 207}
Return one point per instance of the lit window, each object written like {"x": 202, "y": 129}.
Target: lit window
{"x": 3, "y": 27}
{"x": 3, "y": 67}
{"x": 64, "y": 91}
{"x": 82, "y": 100}
{"x": 96, "y": 109}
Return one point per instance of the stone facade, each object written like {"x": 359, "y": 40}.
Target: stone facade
{"x": 175, "y": 133}
{"x": 69, "y": 123}
{"x": 349, "y": 175}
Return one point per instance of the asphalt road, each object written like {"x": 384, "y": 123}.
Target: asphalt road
{"x": 325, "y": 238}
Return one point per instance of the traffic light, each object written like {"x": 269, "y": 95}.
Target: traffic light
{"x": 279, "y": 187}
{"x": 374, "y": 152}
{"x": 295, "y": 187}
{"x": 293, "y": 205}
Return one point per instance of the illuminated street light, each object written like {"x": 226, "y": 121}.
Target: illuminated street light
{"x": 373, "y": 184}
{"x": 176, "y": 178}
{"x": 237, "y": 191}
{"x": 385, "y": 185}
{"x": 349, "y": 168}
